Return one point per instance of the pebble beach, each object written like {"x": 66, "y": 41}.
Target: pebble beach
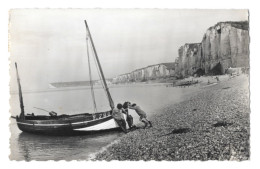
{"x": 213, "y": 124}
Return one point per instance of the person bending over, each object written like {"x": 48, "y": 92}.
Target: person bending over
{"x": 117, "y": 114}
{"x": 129, "y": 118}
{"x": 142, "y": 115}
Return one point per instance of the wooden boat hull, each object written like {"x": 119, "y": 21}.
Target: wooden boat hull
{"x": 187, "y": 83}
{"x": 62, "y": 125}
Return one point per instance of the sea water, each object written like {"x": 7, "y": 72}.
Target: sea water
{"x": 26, "y": 146}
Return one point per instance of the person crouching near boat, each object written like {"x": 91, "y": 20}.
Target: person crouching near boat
{"x": 142, "y": 114}
{"x": 117, "y": 114}
{"x": 129, "y": 118}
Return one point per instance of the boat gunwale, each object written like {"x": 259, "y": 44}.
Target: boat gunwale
{"x": 67, "y": 118}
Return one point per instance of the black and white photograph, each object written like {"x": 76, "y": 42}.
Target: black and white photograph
{"x": 129, "y": 84}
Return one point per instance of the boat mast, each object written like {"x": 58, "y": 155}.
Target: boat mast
{"x": 111, "y": 102}
{"x": 20, "y": 93}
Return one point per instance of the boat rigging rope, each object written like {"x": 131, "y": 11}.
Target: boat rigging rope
{"x": 100, "y": 71}
{"x": 90, "y": 80}
{"x": 102, "y": 83}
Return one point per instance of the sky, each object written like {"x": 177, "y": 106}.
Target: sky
{"x": 49, "y": 45}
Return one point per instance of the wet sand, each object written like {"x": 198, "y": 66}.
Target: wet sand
{"x": 213, "y": 124}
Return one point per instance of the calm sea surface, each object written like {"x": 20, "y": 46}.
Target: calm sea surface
{"x": 25, "y": 146}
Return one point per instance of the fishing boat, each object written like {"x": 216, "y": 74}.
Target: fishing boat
{"x": 187, "y": 83}
{"x": 67, "y": 124}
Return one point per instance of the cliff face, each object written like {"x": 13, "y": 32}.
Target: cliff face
{"x": 147, "y": 73}
{"x": 189, "y": 59}
{"x": 224, "y": 45}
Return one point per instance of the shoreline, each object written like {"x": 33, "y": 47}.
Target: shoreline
{"x": 88, "y": 88}
{"x": 212, "y": 124}
{"x": 202, "y": 80}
